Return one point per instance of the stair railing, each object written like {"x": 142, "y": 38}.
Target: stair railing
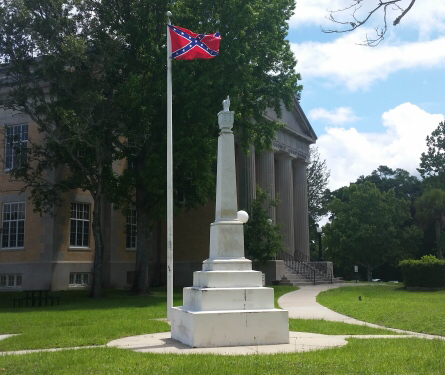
{"x": 322, "y": 268}
{"x": 299, "y": 267}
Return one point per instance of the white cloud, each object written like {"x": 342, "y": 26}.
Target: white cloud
{"x": 357, "y": 67}
{"x": 338, "y": 116}
{"x": 350, "y": 154}
{"x": 311, "y": 12}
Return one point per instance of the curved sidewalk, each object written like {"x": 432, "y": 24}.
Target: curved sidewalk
{"x": 302, "y": 304}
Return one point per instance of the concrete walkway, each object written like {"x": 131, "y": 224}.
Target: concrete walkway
{"x": 301, "y": 304}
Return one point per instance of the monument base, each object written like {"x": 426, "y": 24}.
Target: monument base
{"x": 205, "y": 329}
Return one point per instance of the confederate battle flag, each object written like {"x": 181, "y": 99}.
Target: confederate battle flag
{"x": 187, "y": 45}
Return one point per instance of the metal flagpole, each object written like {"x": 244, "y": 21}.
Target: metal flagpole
{"x": 169, "y": 177}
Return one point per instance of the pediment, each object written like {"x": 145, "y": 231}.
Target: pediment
{"x": 296, "y": 122}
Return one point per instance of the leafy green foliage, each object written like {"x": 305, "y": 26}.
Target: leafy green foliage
{"x": 262, "y": 238}
{"x": 64, "y": 73}
{"x": 368, "y": 228}
{"x": 431, "y": 210}
{"x": 318, "y": 195}
{"x": 428, "y": 272}
{"x": 317, "y": 182}
{"x": 404, "y": 185}
{"x": 432, "y": 163}
{"x": 91, "y": 74}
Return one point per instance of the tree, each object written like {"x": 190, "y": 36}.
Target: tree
{"x": 385, "y": 179}
{"x": 360, "y": 12}
{"x": 120, "y": 45}
{"x": 63, "y": 71}
{"x": 317, "y": 181}
{"x": 405, "y": 186}
{"x": 367, "y": 228}
{"x": 431, "y": 209}
{"x": 432, "y": 163}
{"x": 318, "y": 194}
{"x": 255, "y": 67}
{"x": 262, "y": 239}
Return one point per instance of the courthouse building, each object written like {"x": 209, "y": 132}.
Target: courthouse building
{"x": 57, "y": 252}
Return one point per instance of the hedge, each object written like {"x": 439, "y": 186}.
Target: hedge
{"x": 428, "y": 272}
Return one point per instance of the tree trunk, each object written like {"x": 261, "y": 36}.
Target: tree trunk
{"x": 369, "y": 272}
{"x": 143, "y": 245}
{"x": 98, "y": 247}
{"x": 438, "y": 244}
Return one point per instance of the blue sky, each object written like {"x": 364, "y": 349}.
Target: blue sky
{"x": 371, "y": 106}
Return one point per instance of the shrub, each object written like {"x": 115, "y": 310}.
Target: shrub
{"x": 262, "y": 239}
{"x": 428, "y": 272}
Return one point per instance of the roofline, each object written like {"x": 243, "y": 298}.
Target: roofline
{"x": 299, "y": 110}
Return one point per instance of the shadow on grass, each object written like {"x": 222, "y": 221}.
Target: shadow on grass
{"x": 80, "y": 300}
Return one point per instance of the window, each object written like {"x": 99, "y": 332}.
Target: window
{"x": 80, "y": 225}
{"x": 79, "y": 279}
{"x": 13, "y": 225}
{"x": 10, "y": 281}
{"x": 131, "y": 228}
{"x": 16, "y": 142}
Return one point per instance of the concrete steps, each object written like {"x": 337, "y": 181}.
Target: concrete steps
{"x": 293, "y": 278}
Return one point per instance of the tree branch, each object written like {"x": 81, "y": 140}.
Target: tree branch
{"x": 397, "y": 20}
{"x": 355, "y": 22}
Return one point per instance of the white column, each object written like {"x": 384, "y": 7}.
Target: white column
{"x": 285, "y": 208}
{"x": 247, "y": 180}
{"x": 301, "y": 214}
{"x": 265, "y": 176}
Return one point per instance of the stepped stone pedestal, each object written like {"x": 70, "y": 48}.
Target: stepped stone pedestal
{"x": 227, "y": 305}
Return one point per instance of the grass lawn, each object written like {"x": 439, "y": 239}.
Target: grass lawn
{"x": 82, "y": 321}
{"x": 390, "y": 306}
{"x": 373, "y": 356}
{"x": 323, "y": 326}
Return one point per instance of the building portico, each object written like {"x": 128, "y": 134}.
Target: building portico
{"x": 282, "y": 172}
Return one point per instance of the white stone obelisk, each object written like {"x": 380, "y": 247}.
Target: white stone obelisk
{"x": 227, "y": 305}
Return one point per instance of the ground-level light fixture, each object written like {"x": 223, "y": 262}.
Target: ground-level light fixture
{"x": 320, "y": 255}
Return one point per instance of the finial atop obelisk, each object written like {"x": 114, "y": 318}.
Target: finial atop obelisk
{"x": 226, "y": 104}
{"x": 226, "y": 117}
